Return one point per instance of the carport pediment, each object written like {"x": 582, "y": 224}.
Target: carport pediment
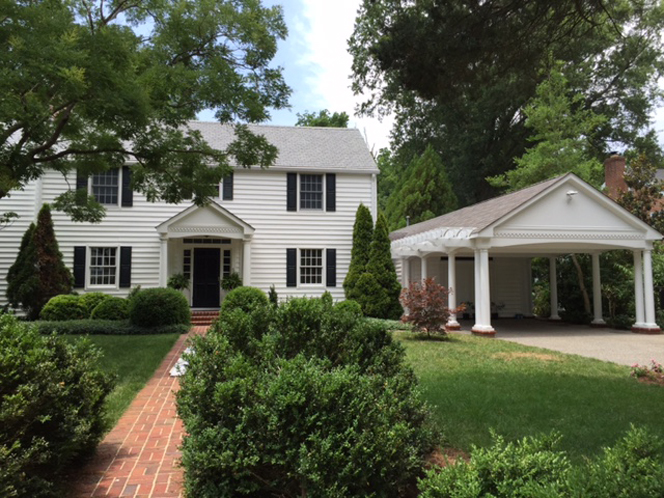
{"x": 212, "y": 220}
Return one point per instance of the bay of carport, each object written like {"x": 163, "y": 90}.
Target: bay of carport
{"x": 618, "y": 346}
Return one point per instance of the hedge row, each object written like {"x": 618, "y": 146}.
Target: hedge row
{"x": 105, "y": 327}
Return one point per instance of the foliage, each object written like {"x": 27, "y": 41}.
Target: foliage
{"x": 563, "y": 132}
{"x": 653, "y": 372}
{"x": 273, "y": 297}
{"x": 644, "y": 194}
{"x": 105, "y": 327}
{"x": 64, "y": 307}
{"x": 22, "y": 267}
{"x": 327, "y": 299}
{"x": 349, "y": 306}
{"x": 359, "y": 255}
{"x": 133, "y": 293}
{"x": 244, "y": 298}
{"x": 178, "y": 281}
{"x": 323, "y": 119}
{"x": 458, "y": 75}
{"x": 41, "y": 274}
{"x": 90, "y": 300}
{"x": 84, "y": 91}
{"x": 424, "y": 192}
{"x": 231, "y": 281}
{"x": 427, "y": 306}
{"x": 309, "y": 400}
{"x": 50, "y": 408}
{"x": 113, "y": 308}
{"x": 534, "y": 466}
{"x": 159, "y": 306}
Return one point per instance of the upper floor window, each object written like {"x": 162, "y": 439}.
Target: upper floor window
{"x": 315, "y": 192}
{"x": 106, "y": 186}
{"x": 311, "y": 191}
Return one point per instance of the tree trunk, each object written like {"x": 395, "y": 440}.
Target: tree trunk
{"x": 582, "y": 285}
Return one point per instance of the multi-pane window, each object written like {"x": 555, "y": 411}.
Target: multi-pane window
{"x": 103, "y": 265}
{"x": 226, "y": 270}
{"x": 105, "y": 186}
{"x": 311, "y": 191}
{"x": 186, "y": 264}
{"x": 311, "y": 266}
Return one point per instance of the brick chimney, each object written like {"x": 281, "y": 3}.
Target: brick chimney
{"x": 614, "y": 175}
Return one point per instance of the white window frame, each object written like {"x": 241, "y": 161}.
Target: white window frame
{"x": 323, "y": 266}
{"x": 91, "y": 187}
{"x": 299, "y": 193}
{"x": 88, "y": 268}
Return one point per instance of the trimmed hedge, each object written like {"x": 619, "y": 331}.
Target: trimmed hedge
{"x": 112, "y": 308}
{"x": 349, "y": 306}
{"x": 244, "y": 298}
{"x": 91, "y": 300}
{"x": 105, "y": 327}
{"x": 159, "y": 306}
{"x": 51, "y": 407}
{"x": 64, "y": 307}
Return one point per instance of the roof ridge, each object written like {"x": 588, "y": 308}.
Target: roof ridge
{"x": 269, "y": 125}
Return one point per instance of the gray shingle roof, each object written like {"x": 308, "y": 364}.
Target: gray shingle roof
{"x": 340, "y": 149}
{"x": 477, "y": 216}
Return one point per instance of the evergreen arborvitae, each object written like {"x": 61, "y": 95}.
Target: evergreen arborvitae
{"x": 359, "y": 256}
{"x": 17, "y": 272}
{"x": 381, "y": 267}
{"x": 426, "y": 192}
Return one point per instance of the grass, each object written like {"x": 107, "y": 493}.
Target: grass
{"x": 475, "y": 384}
{"x": 133, "y": 359}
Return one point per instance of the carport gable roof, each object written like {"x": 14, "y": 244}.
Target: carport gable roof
{"x": 479, "y": 219}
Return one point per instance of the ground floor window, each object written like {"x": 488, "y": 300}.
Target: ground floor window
{"x": 311, "y": 266}
{"x": 103, "y": 265}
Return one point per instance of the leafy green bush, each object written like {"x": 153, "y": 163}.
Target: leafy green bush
{"x": 91, "y": 300}
{"x": 159, "y": 306}
{"x": 64, "y": 307}
{"x": 273, "y": 297}
{"x": 178, "y": 281}
{"x": 51, "y": 408}
{"x": 113, "y": 308}
{"x": 232, "y": 281}
{"x": 308, "y": 399}
{"x": 349, "y": 306}
{"x": 244, "y": 298}
{"x": 105, "y": 327}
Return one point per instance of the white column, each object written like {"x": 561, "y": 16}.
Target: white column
{"x": 483, "y": 311}
{"x": 478, "y": 293}
{"x": 648, "y": 290}
{"x": 639, "y": 304}
{"x": 597, "y": 292}
{"x": 553, "y": 282}
{"x": 405, "y": 272}
{"x": 163, "y": 259}
{"x": 424, "y": 267}
{"x": 246, "y": 262}
{"x": 452, "y": 322}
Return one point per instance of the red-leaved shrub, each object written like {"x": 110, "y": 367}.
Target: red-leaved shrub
{"x": 426, "y": 304}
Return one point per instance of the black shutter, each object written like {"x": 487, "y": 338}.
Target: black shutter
{"x": 127, "y": 192}
{"x": 79, "y": 267}
{"x": 227, "y": 188}
{"x": 331, "y": 277}
{"x": 81, "y": 181}
{"x": 331, "y": 194}
{"x": 291, "y": 191}
{"x": 291, "y": 267}
{"x": 125, "y": 267}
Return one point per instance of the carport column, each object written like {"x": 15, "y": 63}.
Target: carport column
{"x": 246, "y": 262}
{"x": 452, "y": 323}
{"x": 638, "y": 291}
{"x": 483, "y": 312}
{"x": 597, "y": 292}
{"x": 553, "y": 281}
{"x": 649, "y": 291}
{"x": 478, "y": 293}
{"x": 405, "y": 272}
{"x": 424, "y": 272}
{"x": 163, "y": 259}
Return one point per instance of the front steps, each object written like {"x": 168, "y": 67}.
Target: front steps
{"x": 203, "y": 318}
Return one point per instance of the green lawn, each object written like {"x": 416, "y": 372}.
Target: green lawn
{"x": 133, "y": 358}
{"x": 474, "y": 384}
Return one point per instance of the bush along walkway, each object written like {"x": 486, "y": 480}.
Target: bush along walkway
{"x": 140, "y": 457}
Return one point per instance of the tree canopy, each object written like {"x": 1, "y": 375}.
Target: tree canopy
{"x": 91, "y": 84}
{"x": 458, "y": 74}
{"x": 323, "y": 118}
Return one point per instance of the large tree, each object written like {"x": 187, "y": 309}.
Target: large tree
{"x": 459, "y": 73}
{"x": 359, "y": 256}
{"x": 89, "y": 84}
{"x": 323, "y": 119}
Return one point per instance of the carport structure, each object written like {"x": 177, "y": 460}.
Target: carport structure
{"x": 483, "y": 252}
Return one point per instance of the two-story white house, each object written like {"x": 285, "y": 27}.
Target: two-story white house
{"x": 289, "y": 225}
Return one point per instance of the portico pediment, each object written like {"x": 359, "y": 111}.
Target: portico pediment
{"x": 211, "y": 220}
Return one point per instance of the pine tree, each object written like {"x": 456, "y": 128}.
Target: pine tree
{"x": 359, "y": 256}
{"x": 381, "y": 267}
{"x": 426, "y": 192}
{"x": 17, "y": 272}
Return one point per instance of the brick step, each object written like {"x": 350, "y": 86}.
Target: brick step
{"x": 202, "y": 318}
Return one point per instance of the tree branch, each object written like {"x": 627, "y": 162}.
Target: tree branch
{"x": 57, "y": 132}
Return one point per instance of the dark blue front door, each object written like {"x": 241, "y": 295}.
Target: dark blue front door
{"x": 207, "y": 262}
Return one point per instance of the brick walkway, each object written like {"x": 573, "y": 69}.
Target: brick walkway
{"x": 140, "y": 456}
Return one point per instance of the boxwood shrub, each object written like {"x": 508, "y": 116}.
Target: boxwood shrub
{"x": 111, "y": 308}
{"x": 105, "y": 327}
{"x": 51, "y": 407}
{"x": 159, "y": 306}
{"x": 303, "y": 399}
{"x": 244, "y": 298}
{"x": 91, "y": 300}
{"x": 64, "y": 307}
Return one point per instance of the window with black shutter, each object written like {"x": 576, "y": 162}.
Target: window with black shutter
{"x": 227, "y": 188}
{"x": 331, "y": 268}
{"x": 291, "y": 267}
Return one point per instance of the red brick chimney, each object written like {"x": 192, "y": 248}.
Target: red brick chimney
{"x": 614, "y": 176}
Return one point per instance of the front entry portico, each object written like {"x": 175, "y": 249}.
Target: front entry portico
{"x": 560, "y": 216}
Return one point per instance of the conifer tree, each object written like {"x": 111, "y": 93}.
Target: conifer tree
{"x": 17, "y": 272}
{"x": 359, "y": 256}
{"x": 381, "y": 267}
{"x": 426, "y": 192}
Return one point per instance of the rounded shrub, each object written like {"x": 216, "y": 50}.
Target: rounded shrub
{"x": 349, "y": 306}
{"x": 64, "y": 307}
{"x": 91, "y": 300}
{"x": 244, "y": 298}
{"x": 113, "y": 308}
{"x": 159, "y": 306}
